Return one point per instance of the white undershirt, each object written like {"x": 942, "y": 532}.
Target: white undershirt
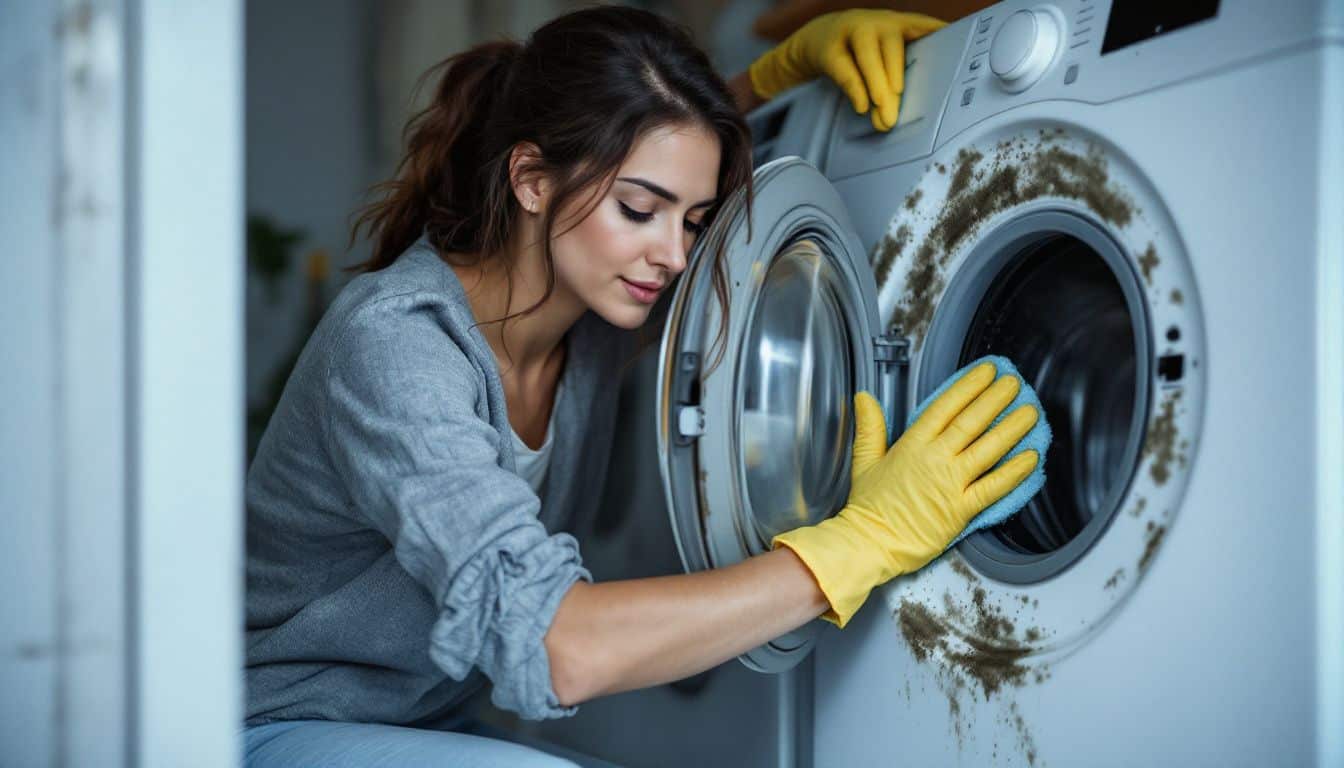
{"x": 532, "y": 464}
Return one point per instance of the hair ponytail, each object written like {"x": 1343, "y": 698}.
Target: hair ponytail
{"x": 438, "y": 183}
{"x": 582, "y": 90}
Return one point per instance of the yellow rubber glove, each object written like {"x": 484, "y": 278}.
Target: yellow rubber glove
{"x": 908, "y": 503}
{"x": 863, "y": 51}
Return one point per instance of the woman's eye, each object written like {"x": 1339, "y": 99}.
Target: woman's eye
{"x": 694, "y": 229}
{"x": 632, "y": 214}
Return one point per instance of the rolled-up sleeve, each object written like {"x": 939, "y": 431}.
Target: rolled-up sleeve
{"x": 422, "y": 467}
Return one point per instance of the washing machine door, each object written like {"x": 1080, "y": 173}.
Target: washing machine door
{"x": 755, "y": 420}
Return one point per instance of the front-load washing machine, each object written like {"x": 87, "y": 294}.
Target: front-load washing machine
{"x": 1142, "y": 205}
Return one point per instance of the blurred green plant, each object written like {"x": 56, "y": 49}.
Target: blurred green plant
{"x": 270, "y": 257}
{"x": 270, "y": 251}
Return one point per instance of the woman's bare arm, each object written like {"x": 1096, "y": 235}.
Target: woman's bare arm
{"x": 743, "y": 95}
{"x": 621, "y": 635}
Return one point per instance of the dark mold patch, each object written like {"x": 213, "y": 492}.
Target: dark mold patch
{"x": 1177, "y": 297}
{"x": 889, "y": 249}
{"x": 1139, "y": 504}
{"x": 1016, "y": 174}
{"x": 924, "y": 633}
{"x": 1155, "y": 535}
{"x": 971, "y": 647}
{"x": 1024, "y": 736}
{"x": 965, "y": 169}
{"x": 1161, "y": 441}
{"x": 1115, "y": 579}
{"x": 1148, "y": 261}
{"x": 989, "y": 623}
{"x": 989, "y": 656}
{"x": 912, "y": 199}
{"x": 923, "y": 283}
{"x": 1061, "y": 173}
{"x": 960, "y": 567}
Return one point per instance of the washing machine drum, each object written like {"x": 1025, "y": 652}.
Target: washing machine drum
{"x": 1060, "y": 314}
{"x": 1054, "y": 294}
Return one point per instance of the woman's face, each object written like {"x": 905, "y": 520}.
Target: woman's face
{"x": 621, "y": 257}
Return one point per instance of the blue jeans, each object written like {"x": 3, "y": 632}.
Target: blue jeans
{"x": 301, "y": 743}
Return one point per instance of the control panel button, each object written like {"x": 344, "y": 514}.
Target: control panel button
{"x": 1025, "y": 47}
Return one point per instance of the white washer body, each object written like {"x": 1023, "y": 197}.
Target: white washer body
{"x": 1224, "y": 642}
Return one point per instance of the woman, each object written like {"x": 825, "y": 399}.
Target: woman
{"x": 454, "y": 408}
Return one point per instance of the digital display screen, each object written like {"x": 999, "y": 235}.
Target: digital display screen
{"x": 1133, "y": 21}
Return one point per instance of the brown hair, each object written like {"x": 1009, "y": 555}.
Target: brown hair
{"x": 583, "y": 89}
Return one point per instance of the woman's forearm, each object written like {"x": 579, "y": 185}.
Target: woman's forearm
{"x": 621, "y": 635}
{"x": 740, "y": 87}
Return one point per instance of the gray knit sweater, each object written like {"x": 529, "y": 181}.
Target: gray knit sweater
{"x": 393, "y": 555}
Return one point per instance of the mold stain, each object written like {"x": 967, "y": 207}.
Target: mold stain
{"x": 1161, "y": 442}
{"x": 972, "y": 648}
{"x": 1177, "y": 297}
{"x": 963, "y": 657}
{"x": 1115, "y": 579}
{"x": 1154, "y": 535}
{"x": 1018, "y": 172}
{"x": 960, "y": 567}
{"x": 1139, "y": 505}
{"x": 1148, "y": 261}
{"x": 912, "y": 199}
{"x": 1024, "y": 736}
{"x": 965, "y": 170}
{"x": 888, "y": 250}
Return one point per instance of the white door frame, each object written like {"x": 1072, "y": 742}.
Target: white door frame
{"x": 121, "y": 371}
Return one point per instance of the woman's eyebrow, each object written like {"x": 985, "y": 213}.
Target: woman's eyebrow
{"x": 661, "y": 192}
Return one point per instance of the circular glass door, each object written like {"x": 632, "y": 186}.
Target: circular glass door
{"x": 755, "y": 434}
{"x": 796, "y": 377}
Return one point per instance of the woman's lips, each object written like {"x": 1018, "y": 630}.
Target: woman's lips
{"x": 645, "y": 293}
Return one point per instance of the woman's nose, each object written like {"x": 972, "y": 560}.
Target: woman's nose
{"x": 671, "y": 252}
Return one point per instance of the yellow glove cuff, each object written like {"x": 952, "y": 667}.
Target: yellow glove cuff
{"x": 845, "y": 564}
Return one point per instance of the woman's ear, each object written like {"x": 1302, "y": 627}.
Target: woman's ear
{"x": 530, "y": 184}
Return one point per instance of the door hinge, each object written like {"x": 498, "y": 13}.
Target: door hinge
{"x": 891, "y": 349}
{"x": 892, "y": 354}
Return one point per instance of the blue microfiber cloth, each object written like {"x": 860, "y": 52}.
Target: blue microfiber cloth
{"x": 1037, "y": 439}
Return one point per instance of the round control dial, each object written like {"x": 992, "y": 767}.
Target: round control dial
{"x": 1025, "y": 47}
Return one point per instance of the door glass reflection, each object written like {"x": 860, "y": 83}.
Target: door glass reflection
{"x": 796, "y": 380}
